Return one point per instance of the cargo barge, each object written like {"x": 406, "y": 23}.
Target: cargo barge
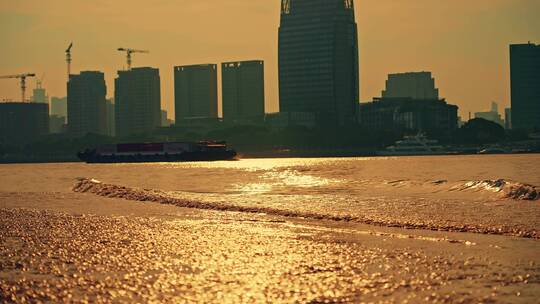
{"x": 158, "y": 152}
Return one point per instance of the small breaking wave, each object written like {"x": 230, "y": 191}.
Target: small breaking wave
{"x": 506, "y": 189}
{"x": 96, "y": 187}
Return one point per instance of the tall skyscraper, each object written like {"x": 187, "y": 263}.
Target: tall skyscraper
{"x": 243, "y": 91}
{"x": 525, "y": 85}
{"x": 137, "y": 101}
{"x": 415, "y": 85}
{"x": 195, "y": 91}
{"x": 86, "y": 103}
{"x": 318, "y": 59}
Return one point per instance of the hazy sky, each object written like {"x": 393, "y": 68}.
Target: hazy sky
{"x": 463, "y": 42}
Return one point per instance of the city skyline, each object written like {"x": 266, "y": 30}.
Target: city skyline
{"x": 468, "y": 57}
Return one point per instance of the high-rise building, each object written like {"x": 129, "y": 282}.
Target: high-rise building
{"x": 415, "y": 85}
{"x": 243, "y": 91}
{"x": 59, "y": 106}
{"x": 525, "y": 85}
{"x": 318, "y": 59}
{"x": 22, "y": 122}
{"x": 137, "y": 101}
{"x": 86, "y": 103}
{"x": 195, "y": 92}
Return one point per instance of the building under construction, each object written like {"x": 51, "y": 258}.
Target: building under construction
{"x": 23, "y": 122}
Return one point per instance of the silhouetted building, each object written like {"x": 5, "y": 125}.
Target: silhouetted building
{"x": 59, "y": 106}
{"x": 111, "y": 123}
{"x": 195, "y": 92}
{"x": 243, "y": 91}
{"x": 525, "y": 85}
{"x": 23, "y": 122}
{"x": 137, "y": 101}
{"x": 415, "y": 85}
{"x": 86, "y": 103}
{"x": 508, "y": 118}
{"x": 435, "y": 117}
{"x": 318, "y": 59}
{"x": 492, "y": 115}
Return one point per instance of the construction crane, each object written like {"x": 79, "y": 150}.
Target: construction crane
{"x": 39, "y": 81}
{"x": 68, "y": 58}
{"x": 129, "y": 52}
{"x": 22, "y": 77}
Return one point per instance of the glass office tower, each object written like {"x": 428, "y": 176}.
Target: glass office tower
{"x": 318, "y": 60}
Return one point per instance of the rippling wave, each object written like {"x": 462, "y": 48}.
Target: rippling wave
{"x": 507, "y": 189}
{"x": 96, "y": 187}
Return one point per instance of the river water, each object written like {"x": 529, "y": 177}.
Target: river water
{"x": 453, "y": 229}
{"x": 488, "y": 194}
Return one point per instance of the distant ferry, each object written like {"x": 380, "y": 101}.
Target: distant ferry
{"x": 414, "y": 145}
{"x": 158, "y": 152}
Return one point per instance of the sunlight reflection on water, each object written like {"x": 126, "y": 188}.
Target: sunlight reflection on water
{"x": 280, "y": 179}
{"x": 259, "y": 164}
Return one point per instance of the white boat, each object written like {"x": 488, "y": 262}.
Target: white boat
{"x": 495, "y": 150}
{"x": 414, "y": 145}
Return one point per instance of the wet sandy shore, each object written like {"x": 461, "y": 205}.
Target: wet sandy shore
{"x": 67, "y": 247}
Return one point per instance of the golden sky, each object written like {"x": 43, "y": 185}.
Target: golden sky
{"x": 463, "y": 42}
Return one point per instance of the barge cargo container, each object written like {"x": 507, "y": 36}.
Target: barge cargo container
{"x": 158, "y": 152}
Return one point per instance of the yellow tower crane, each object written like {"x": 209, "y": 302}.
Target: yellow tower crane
{"x": 22, "y": 77}
{"x": 129, "y": 52}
